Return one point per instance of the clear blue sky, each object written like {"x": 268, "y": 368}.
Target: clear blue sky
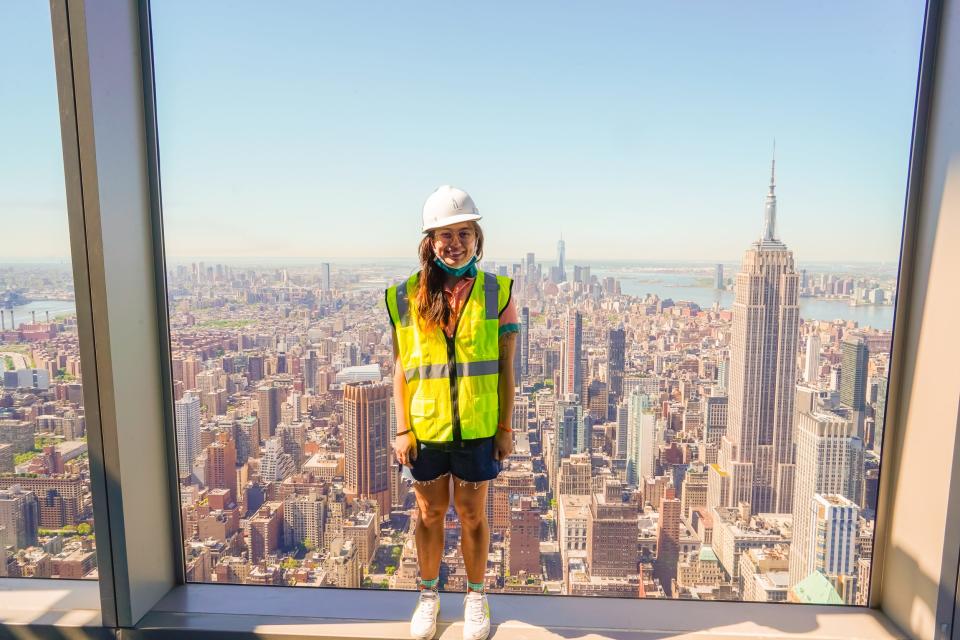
{"x": 638, "y": 130}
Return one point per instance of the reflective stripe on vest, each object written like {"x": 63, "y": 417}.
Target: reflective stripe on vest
{"x": 482, "y": 368}
{"x": 452, "y": 383}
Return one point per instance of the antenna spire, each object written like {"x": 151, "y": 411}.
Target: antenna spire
{"x": 770, "y": 207}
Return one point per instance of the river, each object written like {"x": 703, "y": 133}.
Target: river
{"x": 685, "y": 287}
{"x": 22, "y": 314}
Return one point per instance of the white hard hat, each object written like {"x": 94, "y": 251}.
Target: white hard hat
{"x": 448, "y": 205}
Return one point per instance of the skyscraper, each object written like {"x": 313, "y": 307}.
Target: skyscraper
{"x": 757, "y": 452}
{"x": 569, "y": 426}
{"x": 310, "y": 364}
{"x": 811, "y": 365}
{"x": 268, "y": 410}
{"x": 835, "y": 520}
{"x": 561, "y": 259}
{"x": 715, "y": 417}
{"x": 275, "y": 463}
{"x": 611, "y": 537}
{"x": 879, "y": 416}
{"x": 668, "y": 541}
{"x": 187, "y": 413}
{"x": 616, "y": 362}
{"x": 222, "y": 464}
{"x": 524, "y": 342}
{"x": 623, "y": 422}
{"x": 641, "y": 438}
{"x": 366, "y": 442}
{"x": 718, "y": 277}
{"x": 854, "y": 358}
{"x": 571, "y": 372}
{"x": 524, "y": 537}
{"x": 325, "y": 276}
{"x": 829, "y": 461}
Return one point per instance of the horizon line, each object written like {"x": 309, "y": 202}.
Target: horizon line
{"x": 567, "y": 259}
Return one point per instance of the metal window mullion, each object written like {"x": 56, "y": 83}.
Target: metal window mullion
{"x": 73, "y": 178}
{"x": 105, "y": 87}
{"x": 903, "y": 314}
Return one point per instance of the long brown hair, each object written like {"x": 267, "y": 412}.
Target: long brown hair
{"x": 432, "y": 306}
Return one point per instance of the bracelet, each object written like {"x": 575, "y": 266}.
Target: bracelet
{"x": 401, "y": 433}
{"x": 504, "y": 427}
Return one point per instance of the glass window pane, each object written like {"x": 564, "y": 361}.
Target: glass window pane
{"x": 703, "y": 317}
{"x": 46, "y": 515}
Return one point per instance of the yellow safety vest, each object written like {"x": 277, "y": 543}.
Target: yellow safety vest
{"x": 452, "y": 392}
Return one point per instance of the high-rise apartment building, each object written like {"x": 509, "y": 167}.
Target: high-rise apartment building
{"x": 268, "y": 410}
{"x": 510, "y": 484}
{"x": 524, "y": 343}
{"x": 693, "y": 491}
{"x": 187, "y": 414}
{"x": 668, "y": 541}
{"x": 275, "y": 463}
{"x": 19, "y": 517}
{"x": 829, "y": 461}
{"x": 611, "y": 538}
{"x": 18, "y": 433}
{"x": 575, "y": 476}
{"x": 222, "y": 465}
{"x": 623, "y": 422}
{"x": 835, "y": 520}
{"x": 757, "y": 452}
{"x": 310, "y": 364}
{"x": 524, "y": 537}
{"x": 854, "y": 359}
{"x": 61, "y": 498}
{"x": 265, "y": 531}
{"x": 641, "y": 438}
{"x": 366, "y": 442}
{"x": 571, "y": 353}
{"x": 305, "y": 516}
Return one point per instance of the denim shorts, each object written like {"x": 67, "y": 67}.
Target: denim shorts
{"x": 471, "y": 462}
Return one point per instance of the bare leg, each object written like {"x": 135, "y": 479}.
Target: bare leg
{"x": 433, "y": 499}
{"x": 470, "y": 500}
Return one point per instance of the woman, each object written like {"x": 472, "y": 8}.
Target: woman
{"x": 454, "y": 336}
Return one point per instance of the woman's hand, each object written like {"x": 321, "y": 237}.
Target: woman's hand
{"x": 502, "y": 445}
{"x": 405, "y": 448}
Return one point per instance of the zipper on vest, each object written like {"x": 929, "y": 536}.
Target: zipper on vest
{"x": 454, "y": 392}
{"x": 452, "y": 366}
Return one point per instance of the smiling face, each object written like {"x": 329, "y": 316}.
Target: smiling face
{"x": 455, "y": 244}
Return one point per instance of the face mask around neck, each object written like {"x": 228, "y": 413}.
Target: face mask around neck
{"x": 469, "y": 269}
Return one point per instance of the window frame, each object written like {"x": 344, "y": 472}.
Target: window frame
{"x": 104, "y": 64}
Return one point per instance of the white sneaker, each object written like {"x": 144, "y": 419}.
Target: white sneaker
{"x": 476, "y": 616}
{"x": 423, "y": 624}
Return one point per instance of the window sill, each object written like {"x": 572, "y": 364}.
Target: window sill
{"x": 271, "y": 612}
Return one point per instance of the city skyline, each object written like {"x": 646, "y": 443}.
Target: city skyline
{"x": 541, "y": 159}
{"x": 664, "y": 447}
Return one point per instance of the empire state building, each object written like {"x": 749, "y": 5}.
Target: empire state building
{"x": 756, "y": 462}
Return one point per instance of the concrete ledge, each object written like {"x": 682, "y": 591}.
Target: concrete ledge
{"x": 286, "y": 613}
{"x": 45, "y": 608}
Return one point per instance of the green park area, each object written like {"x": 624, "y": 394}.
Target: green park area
{"x": 224, "y": 324}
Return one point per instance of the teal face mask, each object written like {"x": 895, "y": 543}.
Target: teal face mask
{"x": 469, "y": 269}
